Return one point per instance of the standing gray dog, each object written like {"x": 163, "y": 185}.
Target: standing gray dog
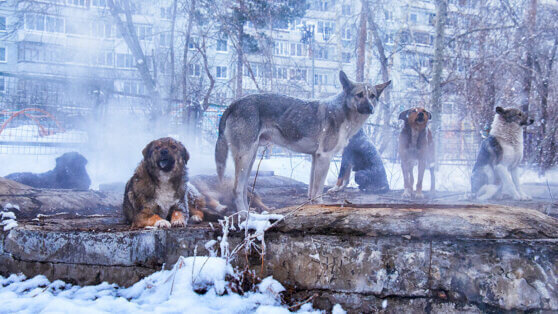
{"x": 320, "y": 128}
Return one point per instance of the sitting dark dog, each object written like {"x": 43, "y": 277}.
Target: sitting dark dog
{"x": 69, "y": 173}
{"x": 361, "y": 156}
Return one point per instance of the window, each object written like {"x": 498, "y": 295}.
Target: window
{"x": 326, "y": 29}
{"x": 320, "y": 79}
{"x": 104, "y": 58}
{"x": 37, "y": 22}
{"x": 346, "y": 57}
{"x": 431, "y": 18}
{"x": 3, "y": 56}
{"x": 54, "y": 24}
{"x": 298, "y": 74}
{"x": 2, "y": 23}
{"x": 388, "y": 15}
{"x": 322, "y": 52}
{"x": 144, "y": 32}
{"x": 346, "y": 33}
{"x": 166, "y": 13}
{"x": 124, "y": 60}
{"x": 298, "y": 49}
{"x": 323, "y": 5}
{"x": 221, "y": 45}
{"x": 133, "y": 88}
{"x": 77, "y": 3}
{"x": 281, "y": 48}
{"x": 280, "y": 73}
{"x": 222, "y": 72}
{"x": 195, "y": 70}
{"x": 99, "y": 3}
{"x": 2, "y": 84}
{"x": 165, "y": 39}
{"x": 413, "y": 17}
{"x": 101, "y": 30}
{"x": 193, "y": 42}
{"x": 346, "y": 9}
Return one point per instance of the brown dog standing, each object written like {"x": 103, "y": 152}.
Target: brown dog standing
{"x": 156, "y": 192}
{"x": 416, "y": 144}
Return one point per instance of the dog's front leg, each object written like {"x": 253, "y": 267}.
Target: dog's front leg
{"x": 515, "y": 178}
{"x": 508, "y": 185}
{"x": 320, "y": 166}
{"x": 147, "y": 218}
{"x": 421, "y": 168}
{"x": 407, "y": 171}
{"x": 180, "y": 213}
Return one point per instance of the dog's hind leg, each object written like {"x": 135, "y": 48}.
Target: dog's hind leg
{"x": 407, "y": 170}
{"x": 515, "y": 178}
{"x": 243, "y": 161}
{"x": 506, "y": 181}
{"x": 421, "y": 168}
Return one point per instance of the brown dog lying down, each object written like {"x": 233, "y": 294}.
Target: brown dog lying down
{"x": 215, "y": 199}
{"x": 156, "y": 193}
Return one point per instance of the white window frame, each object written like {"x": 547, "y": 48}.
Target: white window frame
{"x": 220, "y": 68}
{"x": 226, "y": 45}
{"x": 5, "y": 23}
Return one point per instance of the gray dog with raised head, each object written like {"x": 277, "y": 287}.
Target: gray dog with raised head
{"x": 497, "y": 165}
{"x": 320, "y": 128}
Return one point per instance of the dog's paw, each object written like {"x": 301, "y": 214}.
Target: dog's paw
{"x": 419, "y": 195}
{"x": 407, "y": 193}
{"x": 335, "y": 189}
{"x": 195, "y": 219}
{"x": 162, "y": 224}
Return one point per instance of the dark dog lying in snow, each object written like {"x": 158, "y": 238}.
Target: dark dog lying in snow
{"x": 361, "y": 156}
{"x": 69, "y": 173}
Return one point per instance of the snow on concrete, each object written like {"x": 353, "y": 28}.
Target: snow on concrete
{"x": 164, "y": 291}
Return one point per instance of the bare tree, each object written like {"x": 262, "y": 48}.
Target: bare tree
{"x": 436, "y": 83}
{"x": 127, "y": 28}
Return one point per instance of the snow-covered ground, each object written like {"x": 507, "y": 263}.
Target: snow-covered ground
{"x": 166, "y": 291}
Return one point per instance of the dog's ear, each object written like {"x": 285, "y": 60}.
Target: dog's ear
{"x": 147, "y": 150}
{"x": 185, "y": 155}
{"x": 429, "y": 115}
{"x": 345, "y": 82}
{"x": 404, "y": 115}
{"x": 500, "y": 110}
{"x": 380, "y": 88}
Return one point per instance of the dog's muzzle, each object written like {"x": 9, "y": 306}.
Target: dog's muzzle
{"x": 528, "y": 122}
{"x": 165, "y": 161}
{"x": 366, "y": 109}
{"x": 420, "y": 117}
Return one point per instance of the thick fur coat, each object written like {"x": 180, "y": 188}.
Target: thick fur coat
{"x": 320, "y": 128}
{"x": 496, "y": 168}
{"x": 69, "y": 173}
{"x": 416, "y": 145}
{"x": 155, "y": 196}
{"x": 361, "y": 157}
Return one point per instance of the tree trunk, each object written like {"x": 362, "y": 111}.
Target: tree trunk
{"x": 436, "y": 100}
{"x": 530, "y": 22}
{"x": 128, "y": 32}
{"x": 384, "y": 70}
{"x": 239, "y": 61}
{"x": 187, "y": 103}
{"x": 361, "y": 42}
{"x": 172, "y": 61}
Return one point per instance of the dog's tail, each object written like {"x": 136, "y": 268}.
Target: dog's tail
{"x": 222, "y": 147}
